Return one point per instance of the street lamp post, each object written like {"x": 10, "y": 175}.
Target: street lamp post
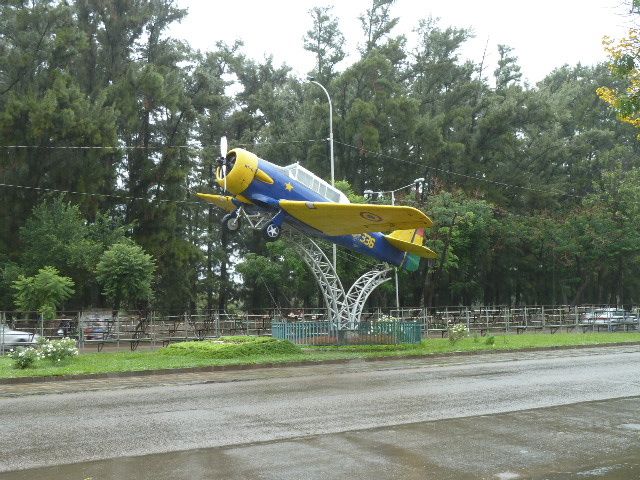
{"x": 333, "y": 181}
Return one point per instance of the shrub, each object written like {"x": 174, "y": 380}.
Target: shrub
{"x": 43, "y": 292}
{"x": 233, "y": 347}
{"x": 457, "y": 332}
{"x": 58, "y": 350}
{"x": 490, "y": 340}
{"x": 25, "y": 357}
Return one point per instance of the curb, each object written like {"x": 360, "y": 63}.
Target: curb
{"x": 222, "y": 368}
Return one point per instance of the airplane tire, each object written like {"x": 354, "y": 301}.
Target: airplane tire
{"x": 231, "y": 222}
{"x": 271, "y": 232}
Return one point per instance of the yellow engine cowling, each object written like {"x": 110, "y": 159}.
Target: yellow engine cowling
{"x": 242, "y": 172}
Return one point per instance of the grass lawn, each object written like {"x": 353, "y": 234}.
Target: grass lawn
{"x": 109, "y": 362}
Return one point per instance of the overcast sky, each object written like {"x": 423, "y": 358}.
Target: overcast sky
{"x": 545, "y": 34}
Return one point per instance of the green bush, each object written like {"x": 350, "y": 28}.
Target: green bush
{"x": 58, "y": 350}
{"x": 490, "y": 340}
{"x": 233, "y": 347}
{"x": 25, "y": 357}
{"x": 457, "y": 332}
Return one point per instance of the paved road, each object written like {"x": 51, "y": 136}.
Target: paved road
{"x": 493, "y": 416}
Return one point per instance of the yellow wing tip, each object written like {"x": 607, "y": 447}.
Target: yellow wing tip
{"x": 224, "y": 202}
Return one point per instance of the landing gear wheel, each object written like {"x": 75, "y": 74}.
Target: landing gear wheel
{"x": 271, "y": 232}
{"x": 231, "y": 222}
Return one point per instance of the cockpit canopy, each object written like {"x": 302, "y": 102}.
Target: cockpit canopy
{"x": 315, "y": 183}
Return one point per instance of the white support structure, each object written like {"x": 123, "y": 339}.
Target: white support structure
{"x": 344, "y": 309}
{"x": 327, "y": 278}
{"x": 361, "y": 289}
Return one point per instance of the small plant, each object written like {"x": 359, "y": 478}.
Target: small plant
{"x": 490, "y": 340}
{"x": 25, "y": 357}
{"x": 58, "y": 350}
{"x": 476, "y": 337}
{"x": 457, "y": 332}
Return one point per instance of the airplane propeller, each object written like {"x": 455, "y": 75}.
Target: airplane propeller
{"x": 223, "y": 159}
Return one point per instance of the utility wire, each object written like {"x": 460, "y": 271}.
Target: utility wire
{"x": 258, "y": 144}
{"x": 102, "y": 195}
{"x": 470, "y": 177}
{"x": 196, "y": 149}
{"x": 193, "y": 148}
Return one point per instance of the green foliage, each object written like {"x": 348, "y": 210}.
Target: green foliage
{"x": 490, "y": 340}
{"x": 56, "y": 234}
{"x": 233, "y": 347}
{"x": 125, "y": 272}
{"x": 57, "y": 351}
{"x": 325, "y": 41}
{"x": 457, "y": 333}
{"x": 25, "y": 357}
{"x": 43, "y": 292}
{"x": 531, "y": 188}
{"x": 345, "y": 187}
{"x": 278, "y": 276}
{"x": 9, "y": 273}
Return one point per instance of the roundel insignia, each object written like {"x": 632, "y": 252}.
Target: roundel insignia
{"x": 372, "y": 217}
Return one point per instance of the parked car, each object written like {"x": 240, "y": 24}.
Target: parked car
{"x": 65, "y": 328}
{"x": 609, "y": 316}
{"x": 12, "y": 337}
{"x": 94, "y": 331}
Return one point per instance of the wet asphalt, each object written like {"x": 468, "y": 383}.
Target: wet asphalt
{"x": 559, "y": 414}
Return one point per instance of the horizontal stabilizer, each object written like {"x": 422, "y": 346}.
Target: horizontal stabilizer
{"x": 224, "y": 202}
{"x": 352, "y": 218}
{"x": 409, "y": 247}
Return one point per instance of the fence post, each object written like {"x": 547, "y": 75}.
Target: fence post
{"x": 2, "y": 326}
{"x": 425, "y": 322}
{"x": 80, "y": 331}
{"x": 486, "y": 318}
{"x": 153, "y": 329}
{"x": 466, "y": 313}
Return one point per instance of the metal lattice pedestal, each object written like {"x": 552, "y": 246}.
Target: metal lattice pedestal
{"x": 344, "y": 309}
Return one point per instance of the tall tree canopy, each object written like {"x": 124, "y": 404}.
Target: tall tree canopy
{"x": 532, "y": 188}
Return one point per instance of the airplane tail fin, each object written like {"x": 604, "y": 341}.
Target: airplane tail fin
{"x": 411, "y": 241}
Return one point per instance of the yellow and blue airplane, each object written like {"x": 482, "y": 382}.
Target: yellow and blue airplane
{"x": 269, "y": 196}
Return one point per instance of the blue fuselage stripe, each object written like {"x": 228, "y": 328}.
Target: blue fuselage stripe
{"x": 372, "y": 244}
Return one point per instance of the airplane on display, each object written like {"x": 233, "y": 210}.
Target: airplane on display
{"x": 268, "y": 196}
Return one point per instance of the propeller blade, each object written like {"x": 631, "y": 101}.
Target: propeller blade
{"x": 223, "y": 155}
{"x": 223, "y": 146}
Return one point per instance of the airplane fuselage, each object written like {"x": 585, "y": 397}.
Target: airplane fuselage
{"x": 273, "y": 183}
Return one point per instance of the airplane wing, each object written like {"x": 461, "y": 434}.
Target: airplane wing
{"x": 351, "y": 218}
{"x": 221, "y": 201}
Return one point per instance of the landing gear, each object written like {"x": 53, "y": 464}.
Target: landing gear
{"x": 271, "y": 232}
{"x": 231, "y": 222}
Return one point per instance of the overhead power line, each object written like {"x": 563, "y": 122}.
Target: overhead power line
{"x": 463, "y": 175}
{"x": 192, "y": 148}
{"x": 102, "y": 195}
{"x": 259, "y": 144}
